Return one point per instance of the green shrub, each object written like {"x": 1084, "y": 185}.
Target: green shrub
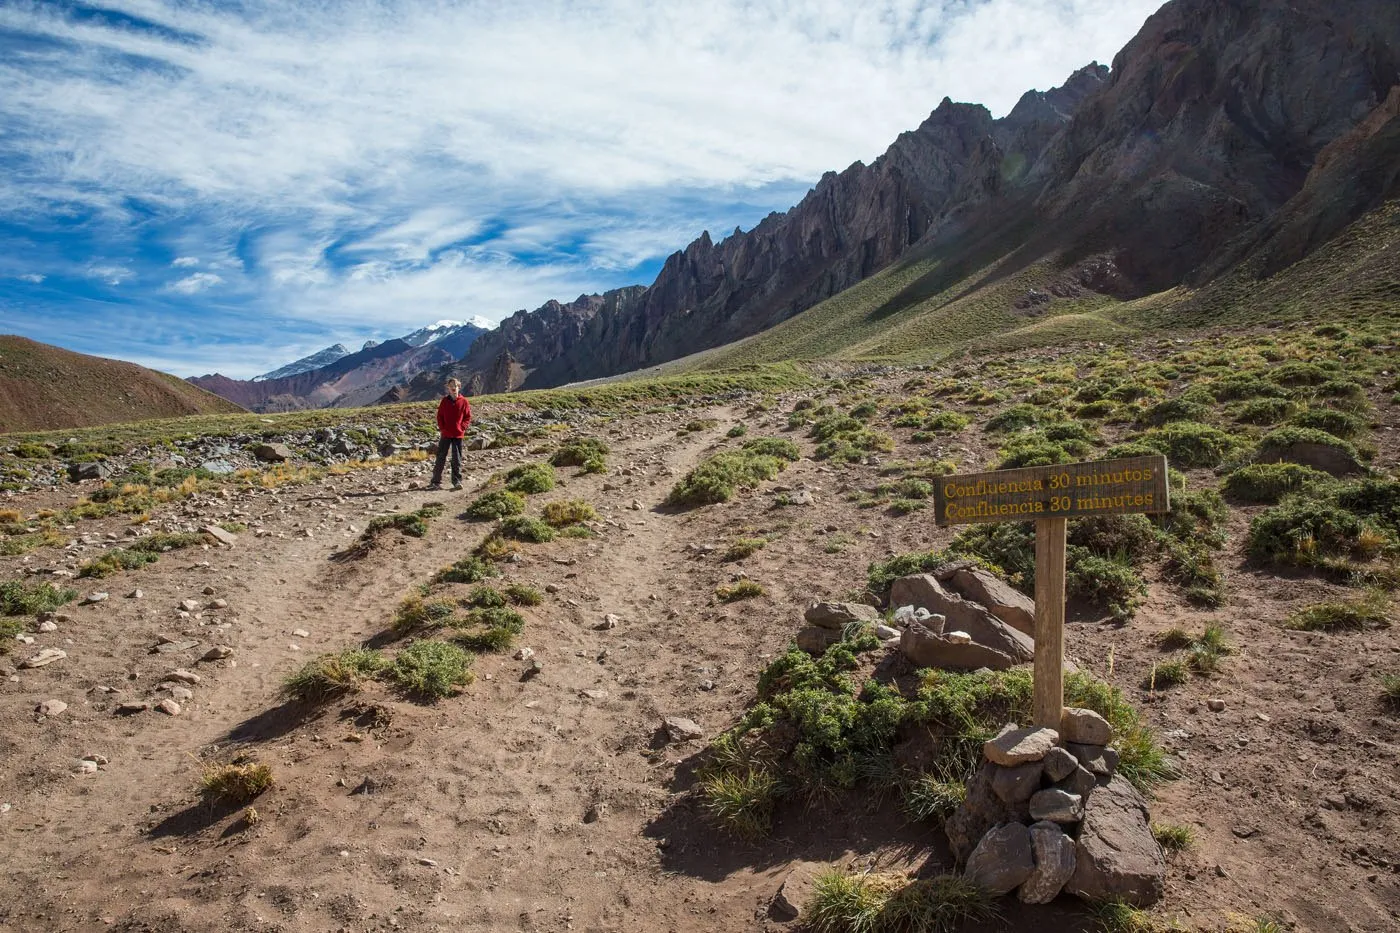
{"x": 1189, "y": 444}
{"x": 18, "y": 598}
{"x": 33, "y": 452}
{"x": 1175, "y": 409}
{"x": 526, "y": 528}
{"x": 414, "y": 524}
{"x": 1275, "y": 444}
{"x": 933, "y": 797}
{"x": 1035, "y": 450}
{"x": 854, "y": 447}
{"x": 778, "y": 447}
{"x": 431, "y": 669}
{"x": 945, "y": 422}
{"x": 530, "y": 478}
{"x": 484, "y": 596}
{"x": 1106, "y": 581}
{"x": 1269, "y": 482}
{"x": 579, "y": 451}
{"x": 495, "y": 505}
{"x": 1131, "y": 537}
{"x": 333, "y": 675}
{"x": 1242, "y": 386}
{"x": 1342, "y": 424}
{"x": 1350, "y": 615}
{"x": 491, "y": 628}
{"x": 883, "y": 573}
{"x": 865, "y": 411}
{"x": 1016, "y": 418}
{"x": 469, "y": 569}
{"x": 1263, "y": 411}
{"x": 1376, "y": 499}
{"x": 415, "y": 612}
{"x": 1172, "y": 673}
{"x": 719, "y": 477}
{"x": 1300, "y": 530}
{"x": 891, "y": 903}
{"x": 1008, "y": 546}
{"x": 741, "y": 801}
{"x": 115, "y": 561}
{"x": 1096, "y": 410}
{"x": 740, "y": 548}
{"x": 1297, "y": 373}
{"x": 739, "y": 430}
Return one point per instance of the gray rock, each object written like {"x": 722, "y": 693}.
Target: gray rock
{"x": 1099, "y": 760}
{"x": 680, "y": 729}
{"x": 1003, "y": 860}
{"x": 1084, "y": 727}
{"x": 218, "y": 467}
{"x": 1001, "y": 599}
{"x": 815, "y": 640}
{"x": 885, "y": 633}
{"x": 1116, "y": 855}
{"x": 839, "y": 615}
{"x": 84, "y": 767}
{"x": 189, "y": 605}
{"x": 183, "y": 676}
{"x": 478, "y": 441}
{"x": 273, "y": 453}
{"x": 795, "y": 891}
{"x": 168, "y": 706}
{"x": 224, "y": 537}
{"x": 1014, "y": 746}
{"x": 52, "y": 707}
{"x": 1059, "y": 764}
{"x": 174, "y": 647}
{"x": 78, "y": 472}
{"x": 44, "y": 658}
{"x": 217, "y": 653}
{"x": 1080, "y": 781}
{"x": 931, "y": 649}
{"x": 923, "y": 591}
{"x": 1054, "y": 864}
{"x": 132, "y": 707}
{"x": 1016, "y": 785}
{"x": 1057, "y": 806}
{"x": 980, "y": 810}
{"x": 91, "y": 598}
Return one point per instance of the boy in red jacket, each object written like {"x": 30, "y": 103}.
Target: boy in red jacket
{"x": 454, "y": 416}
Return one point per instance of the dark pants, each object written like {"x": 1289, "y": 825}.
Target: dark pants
{"x": 445, "y": 444}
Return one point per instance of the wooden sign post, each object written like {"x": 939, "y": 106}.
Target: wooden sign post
{"x": 1048, "y": 495}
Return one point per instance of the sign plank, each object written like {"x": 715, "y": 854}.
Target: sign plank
{"x": 1065, "y": 490}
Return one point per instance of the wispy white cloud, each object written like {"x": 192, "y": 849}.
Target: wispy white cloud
{"x": 385, "y": 162}
{"x": 33, "y": 278}
{"x": 191, "y": 284}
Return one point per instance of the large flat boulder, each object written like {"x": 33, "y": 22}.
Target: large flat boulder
{"x": 933, "y": 649}
{"x": 1014, "y": 746}
{"x": 1002, "y": 860}
{"x": 1116, "y": 856}
{"x": 839, "y": 615}
{"x": 923, "y": 590}
{"x": 1000, "y": 598}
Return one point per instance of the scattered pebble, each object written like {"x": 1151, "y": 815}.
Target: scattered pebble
{"x": 52, "y": 707}
{"x": 91, "y": 598}
{"x": 1215, "y": 705}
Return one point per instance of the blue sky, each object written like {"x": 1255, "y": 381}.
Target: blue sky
{"x": 202, "y": 186}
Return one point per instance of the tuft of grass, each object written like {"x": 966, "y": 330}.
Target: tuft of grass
{"x": 414, "y": 524}
{"x": 1344, "y": 424}
{"x": 739, "y": 430}
{"x": 1190, "y": 444}
{"x": 1302, "y": 530}
{"x": 235, "y": 784}
{"x": 572, "y": 512}
{"x": 933, "y": 797}
{"x": 485, "y": 597}
{"x": 530, "y": 478}
{"x": 333, "y": 675}
{"x": 740, "y": 548}
{"x": 415, "y": 612}
{"x": 1171, "y": 673}
{"x": 18, "y": 598}
{"x": 1174, "y": 837}
{"x": 1274, "y": 445}
{"x": 843, "y": 903}
{"x": 1270, "y": 482}
{"x": 891, "y": 903}
{"x": 115, "y": 561}
{"x": 733, "y": 592}
{"x": 1390, "y": 690}
{"x": 741, "y": 801}
{"x": 1115, "y": 916}
{"x": 431, "y": 669}
{"x": 489, "y": 629}
{"x": 1343, "y": 615}
{"x": 523, "y": 594}
{"x": 495, "y": 505}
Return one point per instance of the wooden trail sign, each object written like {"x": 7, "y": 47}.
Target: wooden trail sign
{"x": 1048, "y": 495}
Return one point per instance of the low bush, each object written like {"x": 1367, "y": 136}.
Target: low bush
{"x": 522, "y": 594}
{"x": 484, "y": 596}
{"x": 1172, "y": 673}
{"x": 1175, "y": 409}
{"x": 1343, "y": 424}
{"x": 719, "y": 477}
{"x": 1296, "y": 373}
{"x": 1264, "y": 411}
{"x": 414, "y": 524}
{"x": 1016, "y": 418}
{"x": 1374, "y": 499}
{"x": 115, "y": 561}
{"x": 1189, "y": 444}
{"x": 490, "y": 628}
{"x": 1243, "y": 386}
{"x": 1275, "y": 444}
{"x": 1111, "y": 582}
{"x": 1268, "y": 483}
{"x": 430, "y": 669}
{"x": 526, "y": 528}
{"x": 740, "y": 548}
{"x": 333, "y": 675}
{"x": 891, "y": 903}
{"x": 469, "y": 569}
{"x": 778, "y": 447}
{"x": 530, "y": 478}
{"x": 1036, "y": 450}
{"x": 739, "y": 430}
{"x": 18, "y": 598}
{"x": 495, "y": 505}
{"x": 579, "y": 452}
{"x": 415, "y": 612}
{"x": 1301, "y": 530}
{"x": 945, "y": 422}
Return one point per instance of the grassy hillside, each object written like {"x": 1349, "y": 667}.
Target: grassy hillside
{"x": 46, "y": 387}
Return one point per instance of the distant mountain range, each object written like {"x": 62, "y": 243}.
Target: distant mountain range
{"x": 336, "y": 377}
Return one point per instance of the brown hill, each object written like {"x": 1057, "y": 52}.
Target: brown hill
{"x": 43, "y": 387}
{"x": 1227, "y": 135}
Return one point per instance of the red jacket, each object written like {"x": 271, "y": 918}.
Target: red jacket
{"x": 454, "y": 416}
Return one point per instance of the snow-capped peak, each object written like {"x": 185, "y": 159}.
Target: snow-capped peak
{"x": 482, "y": 322}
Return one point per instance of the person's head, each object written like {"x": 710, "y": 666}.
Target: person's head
{"x": 454, "y": 386}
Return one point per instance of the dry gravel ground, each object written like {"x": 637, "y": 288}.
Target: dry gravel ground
{"x": 552, "y": 803}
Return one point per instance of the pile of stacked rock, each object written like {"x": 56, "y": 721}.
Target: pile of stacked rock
{"x": 1047, "y": 813}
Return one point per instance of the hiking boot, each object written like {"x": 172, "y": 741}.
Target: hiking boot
{"x": 435, "y": 487}
{"x": 456, "y": 487}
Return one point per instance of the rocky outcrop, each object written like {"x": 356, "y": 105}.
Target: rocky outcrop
{"x": 1116, "y": 856}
